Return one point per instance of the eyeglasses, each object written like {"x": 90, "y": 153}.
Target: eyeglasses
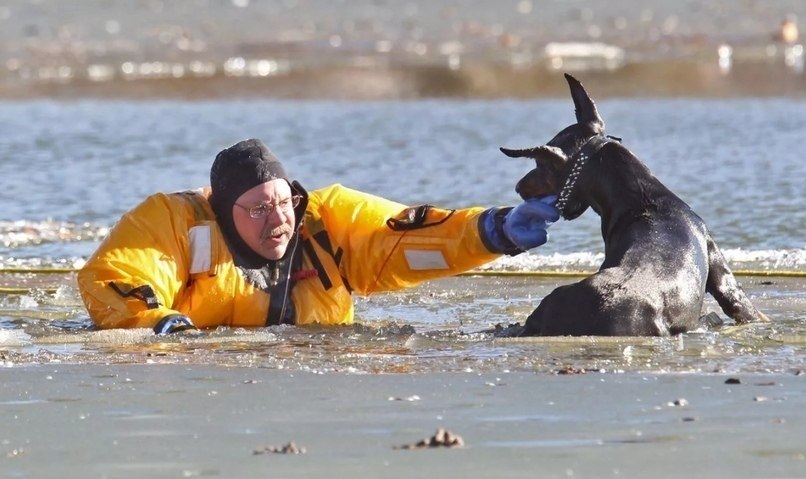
{"x": 265, "y": 209}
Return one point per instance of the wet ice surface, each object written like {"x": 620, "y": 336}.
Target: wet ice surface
{"x": 442, "y": 327}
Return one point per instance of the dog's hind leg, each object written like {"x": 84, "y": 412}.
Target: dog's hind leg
{"x": 569, "y": 310}
{"x": 722, "y": 285}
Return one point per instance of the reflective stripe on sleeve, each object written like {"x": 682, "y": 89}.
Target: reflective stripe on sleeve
{"x": 200, "y": 249}
{"x": 419, "y": 259}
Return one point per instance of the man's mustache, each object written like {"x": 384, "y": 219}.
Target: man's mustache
{"x": 270, "y": 232}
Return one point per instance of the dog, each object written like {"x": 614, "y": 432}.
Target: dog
{"x": 660, "y": 258}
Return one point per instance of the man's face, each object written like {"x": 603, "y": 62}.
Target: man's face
{"x": 264, "y": 218}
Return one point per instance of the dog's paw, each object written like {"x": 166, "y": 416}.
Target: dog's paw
{"x": 511, "y": 330}
{"x": 711, "y": 320}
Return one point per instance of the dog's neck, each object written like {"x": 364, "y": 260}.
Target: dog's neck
{"x": 621, "y": 190}
{"x": 578, "y": 161}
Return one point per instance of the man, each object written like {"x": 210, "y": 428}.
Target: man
{"x": 256, "y": 249}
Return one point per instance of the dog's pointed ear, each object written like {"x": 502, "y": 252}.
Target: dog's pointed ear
{"x": 549, "y": 154}
{"x": 544, "y": 152}
{"x": 518, "y": 153}
{"x": 585, "y": 108}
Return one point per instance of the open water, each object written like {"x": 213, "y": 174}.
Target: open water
{"x": 70, "y": 169}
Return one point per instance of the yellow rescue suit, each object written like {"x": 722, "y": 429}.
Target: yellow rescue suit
{"x": 168, "y": 256}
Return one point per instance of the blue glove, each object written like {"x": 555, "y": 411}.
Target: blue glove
{"x": 525, "y": 225}
{"x": 173, "y": 323}
{"x": 521, "y": 228}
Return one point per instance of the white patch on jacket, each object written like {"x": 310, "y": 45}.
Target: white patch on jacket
{"x": 201, "y": 249}
{"x": 419, "y": 259}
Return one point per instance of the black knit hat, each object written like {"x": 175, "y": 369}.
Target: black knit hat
{"x": 240, "y": 168}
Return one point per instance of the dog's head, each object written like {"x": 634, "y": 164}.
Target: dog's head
{"x": 553, "y": 160}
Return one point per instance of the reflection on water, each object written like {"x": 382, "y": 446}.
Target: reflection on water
{"x": 71, "y": 169}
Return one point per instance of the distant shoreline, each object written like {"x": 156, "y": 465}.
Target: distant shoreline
{"x": 668, "y": 78}
{"x": 370, "y": 49}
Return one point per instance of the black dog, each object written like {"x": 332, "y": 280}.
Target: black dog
{"x": 660, "y": 259}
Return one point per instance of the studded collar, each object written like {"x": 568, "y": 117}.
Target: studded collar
{"x": 578, "y": 159}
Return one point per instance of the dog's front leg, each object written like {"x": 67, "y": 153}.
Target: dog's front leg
{"x": 722, "y": 285}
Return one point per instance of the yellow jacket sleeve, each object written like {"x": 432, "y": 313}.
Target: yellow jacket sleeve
{"x": 134, "y": 277}
{"x": 385, "y": 246}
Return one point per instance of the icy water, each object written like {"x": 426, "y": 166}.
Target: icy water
{"x": 70, "y": 169}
